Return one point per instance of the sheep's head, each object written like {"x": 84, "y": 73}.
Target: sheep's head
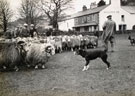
{"x": 21, "y": 47}
{"x": 48, "y": 49}
{"x": 24, "y": 45}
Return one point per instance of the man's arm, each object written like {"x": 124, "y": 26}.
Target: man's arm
{"x": 104, "y": 26}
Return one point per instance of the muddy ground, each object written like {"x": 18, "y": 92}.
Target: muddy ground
{"x": 64, "y": 77}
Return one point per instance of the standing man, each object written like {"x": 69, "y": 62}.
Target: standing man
{"x": 25, "y": 31}
{"x": 33, "y": 31}
{"x": 109, "y": 29}
{"x": 17, "y": 32}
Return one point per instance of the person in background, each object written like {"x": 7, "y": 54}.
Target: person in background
{"x": 33, "y": 31}
{"x": 17, "y": 32}
{"x": 96, "y": 33}
{"x": 109, "y": 28}
{"x": 25, "y": 31}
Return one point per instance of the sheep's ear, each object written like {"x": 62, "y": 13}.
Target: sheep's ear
{"x": 20, "y": 43}
{"x": 29, "y": 44}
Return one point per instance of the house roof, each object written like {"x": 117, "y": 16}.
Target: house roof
{"x": 64, "y": 18}
{"x": 130, "y": 9}
{"x": 90, "y": 11}
{"x": 87, "y": 24}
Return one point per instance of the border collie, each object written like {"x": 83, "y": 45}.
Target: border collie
{"x": 92, "y": 54}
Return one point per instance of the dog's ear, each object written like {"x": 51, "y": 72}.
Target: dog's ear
{"x": 81, "y": 50}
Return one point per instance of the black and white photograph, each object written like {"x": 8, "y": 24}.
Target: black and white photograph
{"x": 67, "y": 47}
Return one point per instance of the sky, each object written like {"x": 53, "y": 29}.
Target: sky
{"x": 14, "y": 4}
{"x": 77, "y": 5}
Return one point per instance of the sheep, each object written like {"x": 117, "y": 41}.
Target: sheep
{"x": 11, "y": 55}
{"x": 38, "y": 54}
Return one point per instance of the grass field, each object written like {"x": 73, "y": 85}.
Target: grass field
{"x": 64, "y": 77}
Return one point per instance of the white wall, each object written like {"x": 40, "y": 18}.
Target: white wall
{"x": 110, "y": 10}
{"x": 130, "y": 20}
{"x": 66, "y": 24}
{"x": 116, "y": 12}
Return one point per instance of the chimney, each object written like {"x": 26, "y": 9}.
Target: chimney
{"x": 93, "y": 5}
{"x": 116, "y": 3}
{"x": 84, "y": 8}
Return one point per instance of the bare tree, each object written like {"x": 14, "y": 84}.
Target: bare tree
{"x": 29, "y": 12}
{"x": 5, "y": 15}
{"x": 101, "y": 3}
{"x": 54, "y": 9}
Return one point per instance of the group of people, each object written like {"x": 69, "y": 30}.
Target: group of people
{"x": 25, "y": 31}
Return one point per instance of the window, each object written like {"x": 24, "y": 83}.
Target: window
{"x": 96, "y": 17}
{"x": 123, "y": 18}
{"x": 76, "y": 21}
{"x": 86, "y": 28}
{"x": 88, "y": 18}
{"x": 93, "y": 18}
{"x": 77, "y": 29}
{"x": 80, "y": 20}
{"x": 85, "y": 19}
{"x": 122, "y": 27}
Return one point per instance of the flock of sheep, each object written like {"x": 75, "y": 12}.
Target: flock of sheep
{"x": 35, "y": 52}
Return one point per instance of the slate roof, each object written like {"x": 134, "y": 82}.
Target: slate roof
{"x": 130, "y": 9}
{"x": 90, "y": 11}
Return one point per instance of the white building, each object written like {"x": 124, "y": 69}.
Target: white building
{"x": 66, "y": 23}
{"x": 124, "y": 16}
{"x": 93, "y": 19}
